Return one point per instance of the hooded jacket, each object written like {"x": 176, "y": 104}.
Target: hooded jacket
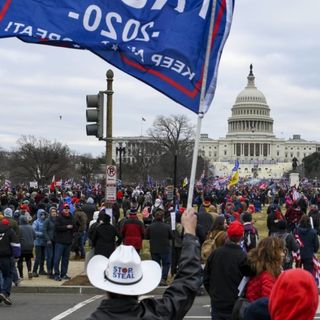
{"x": 38, "y": 228}
{"x": 48, "y": 228}
{"x": 294, "y": 296}
{"x": 176, "y": 300}
{"x": 26, "y": 235}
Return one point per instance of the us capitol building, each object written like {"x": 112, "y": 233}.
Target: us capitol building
{"x": 250, "y": 140}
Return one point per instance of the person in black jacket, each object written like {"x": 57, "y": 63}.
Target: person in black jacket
{"x": 104, "y": 236}
{"x": 124, "y": 276}
{"x": 9, "y": 246}
{"x": 224, "y": 271}
{"x": 159, "y": 234}
{"x": 63, "y": 235}
{"x": 310, "y": 243}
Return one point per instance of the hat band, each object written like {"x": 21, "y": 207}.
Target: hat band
{"x": 121, "y": 283}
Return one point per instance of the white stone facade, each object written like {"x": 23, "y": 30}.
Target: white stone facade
{"x": 250, "y": 140}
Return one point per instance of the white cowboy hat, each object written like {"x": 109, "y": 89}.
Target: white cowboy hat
{"x": 124, "y": 272}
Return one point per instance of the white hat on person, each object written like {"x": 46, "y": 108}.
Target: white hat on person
{"x": 124, "y": 272}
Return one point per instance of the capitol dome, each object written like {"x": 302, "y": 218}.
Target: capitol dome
{"x": 250, "y": 113}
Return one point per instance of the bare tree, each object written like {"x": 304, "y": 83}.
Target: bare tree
{"x": 174, "y": 133}
{"x": 87, "y": 166}
{"x": 38, "y": 159}
{"x": 145, "y": 161}
{"x": 4, "y": 160}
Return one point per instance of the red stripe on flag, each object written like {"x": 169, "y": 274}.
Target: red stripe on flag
{"x": 218, "y": 21}
{"x": 5, "y": 9}
{"x": 192, "y": 94}
{"x": 158, "y": 74}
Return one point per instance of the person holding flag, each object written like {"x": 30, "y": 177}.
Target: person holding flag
{"x": 235, "y": 176}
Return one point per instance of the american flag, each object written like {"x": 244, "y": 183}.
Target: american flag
{"x": 7, "y": 184}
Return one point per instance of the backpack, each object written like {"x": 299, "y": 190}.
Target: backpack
{"x": 209, "y": 246}
{"x": 241, "y": 304}
{"x": 250, "y": 239}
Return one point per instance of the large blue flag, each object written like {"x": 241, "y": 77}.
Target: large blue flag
{"x": 161, "y": 42}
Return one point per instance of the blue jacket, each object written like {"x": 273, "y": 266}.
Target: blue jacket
{"x": 38, "y": 228}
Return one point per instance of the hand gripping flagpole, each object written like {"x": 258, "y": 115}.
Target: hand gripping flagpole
{"x": 201, "y": 107}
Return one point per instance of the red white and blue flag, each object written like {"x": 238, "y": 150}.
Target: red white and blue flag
{"x": 161, "y": 42}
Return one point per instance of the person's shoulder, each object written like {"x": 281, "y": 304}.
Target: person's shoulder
{"x": 265, "y": 275}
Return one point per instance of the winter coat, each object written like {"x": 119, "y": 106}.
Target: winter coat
{"x": 9, "y": 243}
{"x": 310, "y": 242}
{"x": 223, "y": 273}
{"x": 133, "y": 232}
{"x": 48, "y": 228}
{"x": 259, "y": 286}
{"x": 62, "y": 234}
{"x": 175, "y": 301}
{"x": 80, "y": 220}
{"x": 103, "y": 237}
{"x": 26, "y": 236}
{"x": 160, "y": 235}
{"x": 272, "y": 220}
{"x": 89, "y": 209}
{"x": 38, "y": 228}
{"x": 258, "y": 310}
{"x": 205, "y": 220}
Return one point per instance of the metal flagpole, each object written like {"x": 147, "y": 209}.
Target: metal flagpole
{"x": 201, "y": 108}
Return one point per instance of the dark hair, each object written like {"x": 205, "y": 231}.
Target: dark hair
{"x": 218, "y": 224}
{"x": 104, "y": 217}
{"x": 246, "y": 217}
{"x": 305, "y": 222}
{"x": 282, "y": 225}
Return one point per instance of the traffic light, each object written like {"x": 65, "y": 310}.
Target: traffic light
{"x": 94, "y": 113}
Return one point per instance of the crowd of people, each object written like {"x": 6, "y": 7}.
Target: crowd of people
{"x": 41, "y": 228}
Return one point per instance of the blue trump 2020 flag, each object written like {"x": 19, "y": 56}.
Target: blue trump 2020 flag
{"x": 161, "y": 42}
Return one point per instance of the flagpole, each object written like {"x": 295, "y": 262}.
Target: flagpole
{"x": 201, "y": 108}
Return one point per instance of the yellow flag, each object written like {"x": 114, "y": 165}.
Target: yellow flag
{"x": 234, "y": 180}
{"x": 185, "y": 182}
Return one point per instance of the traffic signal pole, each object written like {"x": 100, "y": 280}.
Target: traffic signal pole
{"x": 109, "y": 117}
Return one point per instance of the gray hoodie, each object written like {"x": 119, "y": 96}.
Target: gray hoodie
{"x": 26, "y": 235}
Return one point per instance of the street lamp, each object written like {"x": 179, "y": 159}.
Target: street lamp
{"x": 120, "y": 149}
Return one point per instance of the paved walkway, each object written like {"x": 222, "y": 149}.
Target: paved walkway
{"x": 75, "y": 268}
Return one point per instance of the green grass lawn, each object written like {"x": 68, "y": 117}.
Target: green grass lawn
{"x": 260, "y": 222}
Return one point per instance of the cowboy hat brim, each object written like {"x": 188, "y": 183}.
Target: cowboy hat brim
{"x": 151, "y": 272}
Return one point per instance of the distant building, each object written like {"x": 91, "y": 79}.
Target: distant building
{"x": 251, "y": 140}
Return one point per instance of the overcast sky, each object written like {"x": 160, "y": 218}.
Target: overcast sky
{"x": 280, "y": 38}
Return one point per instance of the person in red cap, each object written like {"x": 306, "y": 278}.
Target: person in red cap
{"x": 224, "y": 271}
